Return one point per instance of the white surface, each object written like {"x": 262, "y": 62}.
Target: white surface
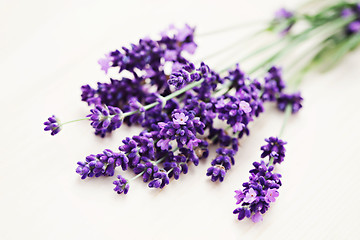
{"x": 50, "y": 48}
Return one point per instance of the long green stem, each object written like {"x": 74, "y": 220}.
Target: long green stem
{"x": 77, "y": 120}
{"x": 288, "y": 111}
{"x": 230, "y": 46}
{"x": 230, "y": 28}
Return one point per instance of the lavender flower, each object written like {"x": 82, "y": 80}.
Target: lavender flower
{"x": 161, "y": 179}
{"x": 353, "y": 27}
{"x": 221, "y": 164}
{"x": 105, "y": 119}
{"x": 182, "y": 128}
{"x": 235, "y": 111}
{"x": 257, "y": 194}
{"x": 216, "y": 172}
{"x": 53, "y": 125}
{"x": 138, "y": 148}
{"x": 106, "y": 62}
{"x": 284, "y": 20}
{"x": 102, "y": 164}
{"x": 274, "y": 149}
{"x": 294, "y": 100}
{"x": 148, "y": 169}
{"x": 274, "y": 84}
{"x": 121, "y": 185}
{"x": 186, "y": 75}
{"x": 262, "y": 187}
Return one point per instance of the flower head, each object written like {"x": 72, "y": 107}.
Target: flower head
{"x": 274, "y": 84}
{"x": 52, "y": 125}
{"x": 121, "y": 185}
{"x": 294, "y": 100}
{"x": 102, "y": 164}
{"x": 105, "y": 119}
{"x": 274, "y": 149}
{"x": 161, "y": 179}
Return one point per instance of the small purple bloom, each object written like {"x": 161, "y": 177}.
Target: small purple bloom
{"x": 193, "y": 143}
{"x": 245, "y": 106}
{"x": 346, "y": 12}
{"x": 283, "y": 13}
{"x": 180, "y": 118}
{"x": 250, "y": 196}
{"x": 216, "y": 172}
{"x": 239, "y": 196}
{"x": 271, "y": 194}
{"x": 238, "y": 127}
{"x": 106, "y": 62}
{"x": 354, "y": 27}
{"x": 163, "y": 144}
{"x": 161, "y": 179}
{"x": 53, "y": 125}
{"x": 121, "y": 185}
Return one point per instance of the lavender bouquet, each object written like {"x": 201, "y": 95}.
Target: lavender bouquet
{"x": 183, "y": 107}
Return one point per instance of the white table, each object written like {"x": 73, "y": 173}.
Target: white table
{"x": 50, "y": 48}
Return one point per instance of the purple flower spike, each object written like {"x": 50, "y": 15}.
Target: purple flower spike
{"x": 105, "y": 119}
{"x": 102, "y": 164}
{"x": 262, "y": 187}
{"x": 52, "y": 125}
{"x": 294, "y": 99}
{"x": 274, "y": 149}
{"x": 121, "y": 185}
{"x": 257, "y": 194}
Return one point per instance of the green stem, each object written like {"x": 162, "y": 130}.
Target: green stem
{"x": 137, "y": 176}
{"x": 77, "y": 120}
{"x": 230, "y": 46}
{"x": 288, "y": 111}
{"x": 226, "y": 29}
{"x": 253, "y": 54}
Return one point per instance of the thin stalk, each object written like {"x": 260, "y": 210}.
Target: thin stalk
{"x": 254, "y": 53}
{"x": 227, "y": 29}
{"x": 230, "y": 46}
{"x": 288, "y": 111}
{"x": 77, "y": 120}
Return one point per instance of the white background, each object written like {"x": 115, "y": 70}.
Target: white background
{"x": 48, "y": 49}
